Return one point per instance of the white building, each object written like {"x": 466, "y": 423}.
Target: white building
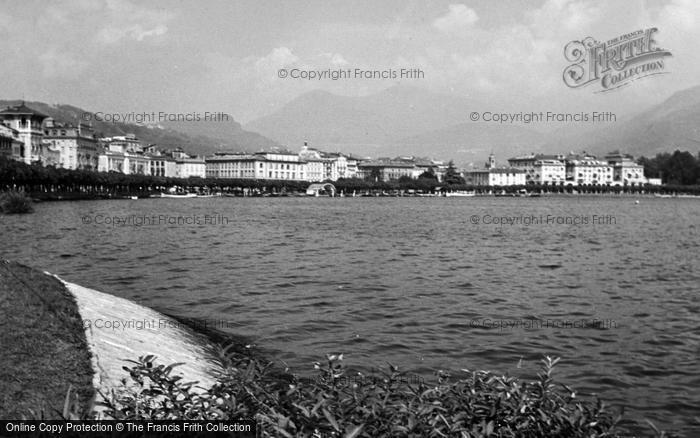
{"x": 261, "y": 165}
{"x": 123, "y": 143}
{"x": 10, "y": 143}
{"x": 495, "y": 176}
{"x": 385, "y": 170}
{"x": 190, "y": 167}
{"x": 587, "y": 170}
{"x": 124, "y": 162}
{"x": 625, "y": 171}
{"x": 76, "y": 145}
{"x": 541, "y": 169}
{"x": 323, "y": 166}
{"x": 26, "y": 122}
{"x": 161, "y": 165}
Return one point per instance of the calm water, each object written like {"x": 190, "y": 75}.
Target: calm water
{"x": 409, "y": 280}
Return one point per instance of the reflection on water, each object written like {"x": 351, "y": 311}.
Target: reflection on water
{"x": 414, "y": 282}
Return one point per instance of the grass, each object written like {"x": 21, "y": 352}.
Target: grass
{"x": 44, "y": 350}
{"x": 13, "y": 202}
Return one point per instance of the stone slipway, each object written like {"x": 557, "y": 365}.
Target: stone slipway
{"x": 119, "y": 329}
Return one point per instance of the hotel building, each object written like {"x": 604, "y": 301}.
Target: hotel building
{"x": 27, "y": 123}
{"x": 76, "y": 145}
{"x": 541, "y": 169}
{"x": 324, "y": 166}
{"x": 625, "y": 171}
{"x": 587, "y": 170}
{"x": 492, "y": 175}
{"x": 261, "y": 165}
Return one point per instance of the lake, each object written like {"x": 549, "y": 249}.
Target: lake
{"x": 609, "y": 285}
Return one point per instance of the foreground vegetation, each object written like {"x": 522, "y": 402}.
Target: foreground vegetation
{"x": 477, "y": 404}
{"x": 14, "y": 202}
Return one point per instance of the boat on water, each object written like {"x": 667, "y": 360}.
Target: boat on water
{"x": 459, "y": 194}
{"x": 209, "y": 195}
{"x": 178, "y": 195}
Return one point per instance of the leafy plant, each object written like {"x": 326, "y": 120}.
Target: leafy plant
{"x": 474, "y": 404}
{"x": 14, "y": 202}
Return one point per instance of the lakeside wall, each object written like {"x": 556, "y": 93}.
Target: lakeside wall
{"x": 115, "y": 330}
{"x": 118, "y": 329}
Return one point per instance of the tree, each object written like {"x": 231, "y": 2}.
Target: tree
{"x": 680, "y": 168}
{"x": 375, "y": 174}
{"x": 452, "y": 176}
{"x": 428, "y": 174}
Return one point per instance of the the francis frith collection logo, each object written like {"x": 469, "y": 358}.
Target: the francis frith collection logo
{"x": 614, "y": 63}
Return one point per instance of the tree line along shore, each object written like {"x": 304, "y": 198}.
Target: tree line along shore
{"x": 48, "y": 183}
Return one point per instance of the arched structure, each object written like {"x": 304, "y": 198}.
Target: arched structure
{"x": 319, "y": 189}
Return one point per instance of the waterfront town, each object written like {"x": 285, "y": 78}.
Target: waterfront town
{"x": 29, "y": 136}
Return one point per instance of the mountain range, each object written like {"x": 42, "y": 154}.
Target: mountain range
{"x": 410, "y": 121}
{"x": 197, "y": 138}
{"x": 401, "y": 121}
{"x": 672, "y": 124}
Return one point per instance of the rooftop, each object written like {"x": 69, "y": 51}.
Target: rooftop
{"x": 21, "y": 110}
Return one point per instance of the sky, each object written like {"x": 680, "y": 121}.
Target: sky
{"x": 178, "y": 56}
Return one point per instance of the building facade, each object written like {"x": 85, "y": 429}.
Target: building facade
{"x": 541, "y": 169}
{"x": 189, "y": 167}
{"x": 10, "y": 143}
{"x": 76, "y": 145}
{"x": 626, "y": 171}
{"x": 27, "y": 123}
{"x": 323, "y": 166}
{"x": 385, "y": 170}
{"x": 492, "y": 176}
{"x": 261, "y": 165}
{"x": 586, "y": 170}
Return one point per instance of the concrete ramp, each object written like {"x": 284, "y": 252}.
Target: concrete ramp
{"x": 119, "y": 329}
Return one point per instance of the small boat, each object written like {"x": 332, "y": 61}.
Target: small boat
{"x": 459, "y": 193}
{"x": 178, "y": 195}
{"x": 134, "y": 197}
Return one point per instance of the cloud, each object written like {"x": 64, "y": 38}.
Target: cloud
{"x": 457, "y": 19}
{"x": 279, "y": 57}
{"x": 127, "y": 21}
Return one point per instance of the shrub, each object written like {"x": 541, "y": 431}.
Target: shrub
{"x": 15, "y": 203}
{"x": 478, "y": 404}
